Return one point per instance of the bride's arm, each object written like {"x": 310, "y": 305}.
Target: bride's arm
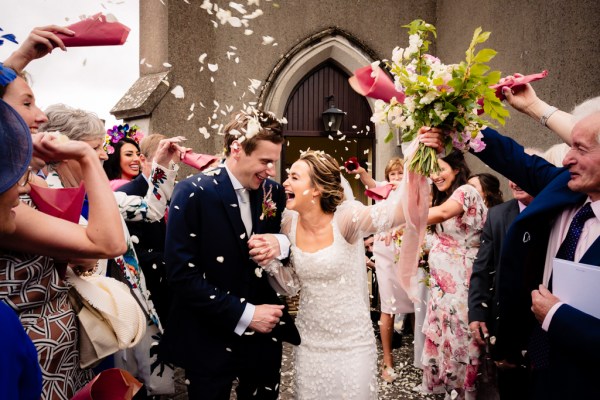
{"x": 355, "y": 220}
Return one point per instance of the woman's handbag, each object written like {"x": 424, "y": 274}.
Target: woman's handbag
{"x": 110, "y": 319}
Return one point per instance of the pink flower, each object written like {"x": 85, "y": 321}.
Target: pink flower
{"x": 444, "y": 280}
{"x": 430, "y": 348}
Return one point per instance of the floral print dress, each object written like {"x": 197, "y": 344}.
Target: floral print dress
{"x": 450, "y": 354}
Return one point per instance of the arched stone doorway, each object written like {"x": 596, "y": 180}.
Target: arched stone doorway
{"x": 305, "y": 128}
{"x": 331, "y": 54}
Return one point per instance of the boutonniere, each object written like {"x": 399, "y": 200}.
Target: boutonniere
{"x": 269, "y": 208}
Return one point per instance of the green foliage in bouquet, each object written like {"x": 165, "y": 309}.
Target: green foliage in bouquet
{"x": 438, "y": 95}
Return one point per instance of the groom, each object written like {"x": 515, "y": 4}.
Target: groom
{"x": 226, "y": 322}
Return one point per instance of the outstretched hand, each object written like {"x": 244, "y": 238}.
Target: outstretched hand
{"x": 50, "y": 148}
{"x": 40, "y": 42}
{"x": 522, "y": 97}
{"x": 169, "y": 149}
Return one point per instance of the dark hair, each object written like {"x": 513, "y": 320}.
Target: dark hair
{"x": 112, "y": 166}
{"x": 456, "y": 160}
{"x": 492, "y": 195}
{"x": 270, "y": 130}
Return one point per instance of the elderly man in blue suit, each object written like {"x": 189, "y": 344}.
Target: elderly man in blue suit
{"x": 226, "y": 322}
{"x": 561, "y": 343}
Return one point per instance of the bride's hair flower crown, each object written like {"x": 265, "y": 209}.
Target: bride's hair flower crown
{"x": 117, "y": 133}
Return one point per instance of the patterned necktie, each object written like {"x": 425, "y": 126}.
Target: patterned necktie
{"x": 568, "y": 246}
{"x": 539, "y": 344}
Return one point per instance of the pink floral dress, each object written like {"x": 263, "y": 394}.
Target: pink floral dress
{"x": 450, "y": 355}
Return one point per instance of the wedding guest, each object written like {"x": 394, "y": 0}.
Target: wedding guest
{"x": 30, "y": 261}
{"x": 20, "y": 374}
{"x": 150, "y": 234}
{"x": 488, "y": 187}
{"x": 84, "y": 126}
{"x": 393, "y": 299}
{"x": 226, "y": 322}
{"x": 123, "y": 163}
{"x": 14, "y": 88}
{"x": 561, "y": 341}
{"x": 483, "y": 294}
{"x": 451, "y": 354}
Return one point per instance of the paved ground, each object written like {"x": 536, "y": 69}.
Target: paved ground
{"x": 401, "y": 389}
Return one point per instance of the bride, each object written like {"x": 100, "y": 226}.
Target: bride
{"x": 337, "y": 358}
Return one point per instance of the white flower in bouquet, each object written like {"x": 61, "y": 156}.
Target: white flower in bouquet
{"x": 448, "y": 96}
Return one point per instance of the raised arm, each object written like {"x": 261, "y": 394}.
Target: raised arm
{"x": 40, "y": 42}
{"x": 42, "y": 234}
{"x": 524, "y": 99}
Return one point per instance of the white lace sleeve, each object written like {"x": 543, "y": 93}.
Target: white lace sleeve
{"x": 282, "y": 278}
{"x": 355, "y": 220}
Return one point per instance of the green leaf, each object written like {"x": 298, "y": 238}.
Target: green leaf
{"x": 483, "y": 36}
{"x": 477, "y": 70}
{"x": 484, "y": 55}
{"x": 389, "y": 136}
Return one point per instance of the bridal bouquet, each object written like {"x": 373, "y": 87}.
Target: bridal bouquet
{"x": 435, "y": 94}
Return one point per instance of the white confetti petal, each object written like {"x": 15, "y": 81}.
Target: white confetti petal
{"x": 191, "y": 265}
{"x": 267, "y": 40}
{"x": 204, "y": 132}
{"x": 220, "y": 259}
{"x": 202, "y": 57}
{"x": 213, "y": 67}
{"x": 248, "y": 32}
{"x": 166, "y": 64}
{"x": 178, "y": 92}
{"x": 192, "y": 234}
{"x": 212, "y": 296}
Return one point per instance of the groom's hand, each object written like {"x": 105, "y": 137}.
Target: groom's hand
{"x": 263, "y": 248}
{"x": 266, "y": 317}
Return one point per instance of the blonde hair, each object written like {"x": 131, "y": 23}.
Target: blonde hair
{"x": 394, "y": 164}
{"x": 325, "y": 174}
{"x": 149, "y": 144}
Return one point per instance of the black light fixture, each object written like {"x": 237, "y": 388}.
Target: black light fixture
{"x": 333, "y": 116}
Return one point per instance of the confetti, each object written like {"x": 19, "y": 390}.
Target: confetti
{"x": 213, "y": 67}
{"x": 178, "y": 92}
{"x": 212, "y": 296}
{"x": 166, "y": 64}
{"x": 266, "y": 40}
{"x": 220, "y": 259}
{"x": 204, "y": 132}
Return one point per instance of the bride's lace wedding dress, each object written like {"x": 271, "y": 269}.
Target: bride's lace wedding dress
{"x": 337, "y": 358}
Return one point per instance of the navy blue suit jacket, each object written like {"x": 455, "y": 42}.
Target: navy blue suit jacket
{"x": 574, "y": 335}
{"x": 211, "y": 274}
{"x": 482, "y": 288}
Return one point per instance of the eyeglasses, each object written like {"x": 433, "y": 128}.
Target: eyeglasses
{"x": 28, "y": 177}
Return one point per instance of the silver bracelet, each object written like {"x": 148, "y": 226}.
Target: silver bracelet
{"x": 547, "y": 114}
